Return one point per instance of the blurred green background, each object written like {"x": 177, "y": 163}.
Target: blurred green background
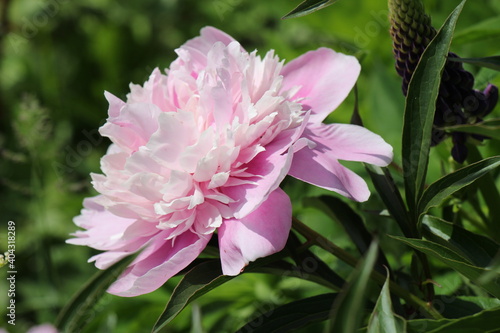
{"x": 57, "y": 57}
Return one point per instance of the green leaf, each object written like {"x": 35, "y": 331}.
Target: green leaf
{"x": 353, "y": 224}
{"x": 75, "y": 315}
{"x": 348, "y": 308}
{"x": 488, "y": 62}
{"x": 382, "y": 319}
{"x": 308, "y": 7}
{"x": 197, "y": 282}
{"x": 200, "y": 280}
{"x": 481, "y": 322}
{"x": 341, "y": 213}
{"x": 449, "y": 184}
{"x": 320, "y": 275}
{"x": 456, "y": 262}
{"x": 486, "y": 29}
{"x": 489, "y": 128}
{"x": 420, "y": 107}
{"x": 478, "y": 249}
{"x": 292, "y": 316}
{"x": 390, "y": 195}
{"x": 485, "y": 303}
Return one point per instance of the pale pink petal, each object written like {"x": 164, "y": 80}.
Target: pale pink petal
{"x": 319, "y": 165}
{"x": 269, "y": 168}
{"x": 44, "y": 328}
{"x": 349, "y": 143}
{"x": 329, "y": 174}
{"x": 133, "y": 127}
{"x": 102, "y": 236}
{"x": 325, "y": 77}
{"x": 259, "y": 234}
{"x": 209, "y": 36}
{"x": 158, "y": 263}
{"x": 115, "y": 104}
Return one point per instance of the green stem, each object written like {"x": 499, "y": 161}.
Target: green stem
{"x": 314, "y": 238}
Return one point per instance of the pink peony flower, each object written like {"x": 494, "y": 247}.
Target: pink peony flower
{"x": 44, "y": 328}
{"x": 204, "y": 148}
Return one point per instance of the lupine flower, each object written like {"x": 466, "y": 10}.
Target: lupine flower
{"x": 458, "y": 102}
{"x": 202, "y": 150}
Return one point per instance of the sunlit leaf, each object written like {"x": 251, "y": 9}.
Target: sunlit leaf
{"x": 449, "y": 184}
{"x": 477, "y": 249}
{"x": 293, "y": 315}
{"x": 485, "y": 321}
{"x": 382, "y": 319}
{"x": 420, "y": 107}
{"x": 196, "y": 283}
{"x": 308, "y": 7}
{"x": 456, "y": 262}
{"x": 348, "y": 309}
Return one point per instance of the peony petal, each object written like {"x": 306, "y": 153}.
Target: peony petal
{"x": 259, "y": 234}
{"x": 208, "y": 37}
{"x": 326, "y": 172}
{"x": 325, "y": 77}
{"x": 133, "y": 127}
{"x": 270, "y": 168}
{"x": 349, "y": 143}
{"x": 158, "y": 263}
{"x": 115, "y": 104}
{"x": 319, "y": 165}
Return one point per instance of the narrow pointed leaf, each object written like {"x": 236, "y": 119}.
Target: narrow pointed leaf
{"x": 477, "y": 249}
{"x": 483, "y": 30}
{"x": 420, "y": 107}
{"x": 488, "y": 62}
{"x": 200, "y": 280}
{"x": 382, "y": 319}
{"x": 292, "y": 316}
{"x": 74, "y": 316}
{"x": 352, "y": 223}
{"x": 488, "y": 128}
{"x": 348, "y": 309}
{"x": 196, "y": 283}
{"x": 320, "y": 275}
{"x": 449, "y": 184}
{"x": 484, "y": 321}
{"x": 390, "y": 195}
{"x": 308, "y": 7}
{"x": 456, "y": 262}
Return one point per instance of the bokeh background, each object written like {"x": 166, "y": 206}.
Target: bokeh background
{"x": 57, "y": 57}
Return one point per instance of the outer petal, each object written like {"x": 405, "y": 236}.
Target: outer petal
{"x": 350, "y": 143}
{"x": 319, "y": 166}
{"x": 259, "y": 234}
{"x": 104, "y": 230}
{"x": 325, "y": 78}
{"x": 161, "y": 260}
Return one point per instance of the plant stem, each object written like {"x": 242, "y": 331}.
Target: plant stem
{"x": 314, "y": 238}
